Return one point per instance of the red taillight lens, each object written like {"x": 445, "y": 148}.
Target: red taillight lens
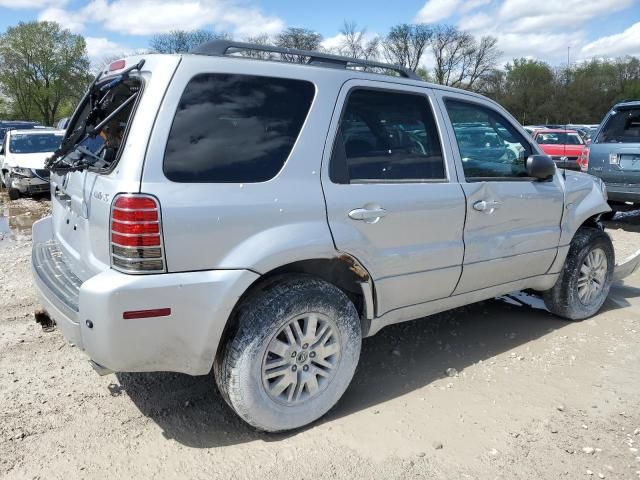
{"x": 138, "y": 228}
{"x": 583, "y": 160}
{"x": 117, "y": 65}
{"x": 135, "y": 216}
{"x": 135, "y": 241}
{"x": 131, "y": 202}
{"x": 136, "y": 234}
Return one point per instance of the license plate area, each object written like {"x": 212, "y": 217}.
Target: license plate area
{"x": 630, "y": 162}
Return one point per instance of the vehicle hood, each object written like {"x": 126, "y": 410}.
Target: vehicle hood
{"x": 566, "y": 150}
{"x": 27, "y": 160}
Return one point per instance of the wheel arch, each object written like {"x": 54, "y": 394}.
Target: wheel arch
{"x": 342, "y": 271}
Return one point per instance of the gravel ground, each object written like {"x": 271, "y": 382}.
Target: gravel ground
{"x": 493, "y": 390}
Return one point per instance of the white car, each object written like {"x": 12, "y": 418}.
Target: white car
{"x": 22, "y": 157}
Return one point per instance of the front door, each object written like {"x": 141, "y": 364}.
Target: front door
{"x": 393, "y": 201}
{"x": 512, "y": 230}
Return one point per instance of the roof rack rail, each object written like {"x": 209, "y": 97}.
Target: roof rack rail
{"x": 219, "y": 48}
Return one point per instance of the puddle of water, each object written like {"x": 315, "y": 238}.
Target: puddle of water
{"x": 17, "y": 217}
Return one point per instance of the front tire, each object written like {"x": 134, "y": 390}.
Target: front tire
{"x": 14, "y": 193}
{"x": 586, "y": 278}
{"x": 293, "y": 355}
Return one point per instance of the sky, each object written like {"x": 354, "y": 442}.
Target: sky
{"x": 543, "y": 29}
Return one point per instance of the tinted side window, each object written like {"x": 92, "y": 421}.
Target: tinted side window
{"x": 489, "y": 145}
{"x": 235, "y": 128}
{"x": 386, "y": 136}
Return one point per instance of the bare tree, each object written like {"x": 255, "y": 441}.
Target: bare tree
{"x": 181, "y": 41}
{"x": 263, "y": 40}
{"x": 355, "y": 44}
{"x": 405, "y": 44}
{"x": 483, "y": 60}
{"x": 460, "y": 60}
{"x": 298, "y": 38}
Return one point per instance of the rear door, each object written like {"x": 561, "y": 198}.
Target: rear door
{"x": 512, "y": 229}
{"x": 393, "y": 201}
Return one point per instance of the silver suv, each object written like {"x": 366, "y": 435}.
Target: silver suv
{"x": 217, "y": 210}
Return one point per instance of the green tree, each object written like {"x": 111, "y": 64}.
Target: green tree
{"x": 529, "y": 91}
{"x": 43, "y": 69}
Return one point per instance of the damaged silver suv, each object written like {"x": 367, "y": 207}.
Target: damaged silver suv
{"x": 260, "y": 218}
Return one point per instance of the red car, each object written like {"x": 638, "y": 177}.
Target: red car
{"x": 564, "y": 146}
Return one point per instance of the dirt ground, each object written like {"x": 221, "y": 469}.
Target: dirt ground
{"x": 531, "y": 397}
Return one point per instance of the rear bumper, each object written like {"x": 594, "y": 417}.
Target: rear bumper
{"x": 185, "y": 341}
{"x": 620, "y": 192}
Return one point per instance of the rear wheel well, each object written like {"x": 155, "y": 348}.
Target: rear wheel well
{"x": 344, "y": 272}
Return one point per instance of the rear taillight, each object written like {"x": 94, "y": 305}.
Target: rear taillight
{"x": 136, "y": 234}
{"x": 583, "y": 159}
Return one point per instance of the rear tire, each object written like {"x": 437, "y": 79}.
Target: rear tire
{"x": 585, "y": 280}
{"x": 293, "y": 355}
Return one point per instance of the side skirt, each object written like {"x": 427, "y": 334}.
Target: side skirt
{"x": 412, "y": 312}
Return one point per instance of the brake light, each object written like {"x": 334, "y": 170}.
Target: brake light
{"x": 117, "y": 65}
{"x": 583, "y": 159}
{"x": 136, "y": 234}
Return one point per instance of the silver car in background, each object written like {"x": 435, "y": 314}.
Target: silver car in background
{"x": 260, "y": 218}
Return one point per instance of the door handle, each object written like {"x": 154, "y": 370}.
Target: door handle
{"x": 486, "y": 206}
{"x": 368, "y": 215}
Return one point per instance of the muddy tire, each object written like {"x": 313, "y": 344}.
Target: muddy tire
{"x": 14, "y": 194}
{"x": 293, "y": 354}
{"x": 585, "y": 280}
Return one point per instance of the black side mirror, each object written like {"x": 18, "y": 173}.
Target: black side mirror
{"x": 541, "y": 167}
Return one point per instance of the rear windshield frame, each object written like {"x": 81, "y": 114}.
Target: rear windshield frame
{"x": 76, "y": 114}
{"x": 607, "y": 122}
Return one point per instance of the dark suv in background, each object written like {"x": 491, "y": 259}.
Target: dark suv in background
{"x": 614, "y": 155}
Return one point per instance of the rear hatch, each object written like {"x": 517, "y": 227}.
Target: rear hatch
{"x": 614, "y": 155}
{"x": 103, "y": 155}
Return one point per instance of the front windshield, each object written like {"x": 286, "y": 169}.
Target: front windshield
{"x": 622, "y": 126}
{"x": 35, "y": 143}
{"x": 559, "y": 138}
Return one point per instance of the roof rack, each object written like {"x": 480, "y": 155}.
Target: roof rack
{"x": 219, "y": 48}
